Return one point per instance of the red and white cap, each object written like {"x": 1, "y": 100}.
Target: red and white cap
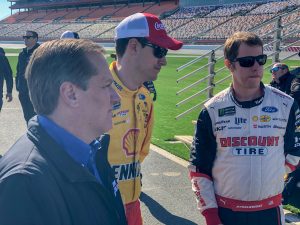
{"x": 149, "y": 26}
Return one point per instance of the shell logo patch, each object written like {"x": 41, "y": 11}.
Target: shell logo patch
{"x": 130, "y": 141}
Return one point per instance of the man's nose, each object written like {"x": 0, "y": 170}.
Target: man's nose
{"x": 114, "y": 96}
{"x": 163, "y": 61}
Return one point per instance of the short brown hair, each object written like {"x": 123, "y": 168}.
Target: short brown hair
{"x": 232, "y": 44}
{"x": 55, "y": 62}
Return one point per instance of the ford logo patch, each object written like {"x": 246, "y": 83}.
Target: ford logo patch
{"x": 142, "y": 97}
{"x": 269, "y": 109}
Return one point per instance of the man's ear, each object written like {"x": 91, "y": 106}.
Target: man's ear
{"x": 132, "y": 45}
{"x": 69, "y": 94}
{"x": 228, "y": 64}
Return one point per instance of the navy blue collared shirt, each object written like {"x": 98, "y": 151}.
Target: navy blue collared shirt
{"x": 81, "y": 152}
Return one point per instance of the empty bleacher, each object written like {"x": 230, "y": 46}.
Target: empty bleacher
{"x": 189, "y": 24}
{"x": 130, "y": 9}
{"x": 158, "y": 9}
{"x": 101, "y": 12}
{"x": 96, "y": 29}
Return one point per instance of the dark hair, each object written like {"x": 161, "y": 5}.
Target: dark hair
{"x": 2, "y": 51}
{"x": 121, "y": 44}
{"x": 232, "y": 44}
{"x": 76, "y": 35}
{"x": 55, "y": 62}
{"x": 34, "y": 34}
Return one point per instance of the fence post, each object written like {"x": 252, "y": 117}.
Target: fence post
{"x": 277, "y": 40}
{"x": 211, "y": 72}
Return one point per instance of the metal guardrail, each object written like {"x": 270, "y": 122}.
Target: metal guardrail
{"x": 276, "y": 46}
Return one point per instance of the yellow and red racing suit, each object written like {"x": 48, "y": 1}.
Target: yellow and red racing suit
{"x": 130, "y": 136}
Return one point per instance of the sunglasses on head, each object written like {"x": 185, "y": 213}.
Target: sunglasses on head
{"x": 27, "y": 37}
{"x": 158, "y": 52}
{"x": 275, "y": 69}
{"x": 249, "y": 61}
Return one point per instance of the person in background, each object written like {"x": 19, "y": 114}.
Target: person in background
{"x": 30, "y": 40}
{"x": 296, "y": 71}
{"x": 69, "y": 35}
{"x": 5, "y": 73}
{"x": 246, "y": 139}
{"x": 286, "y": 82}
{"x": 51, "y": 175}
{"x": 141, "y": 48}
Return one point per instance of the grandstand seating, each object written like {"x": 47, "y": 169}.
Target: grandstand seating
{"x": 16, "y": 17}
{"x": 240, "y": 23}
{"x": 103, "y": 11}
{"x": 77, "y": 13}
{"x": 158, "y": 9}
{"x": 97, "y": 29}
{"x": 231, "y": 10}
{"x": 196, "y": 26}
{"x": 272, "y": 7}
{"x": 190, "y": 12}
{"x": 21, "y": 29}
{"x": 186, "y": 23}
{"x": 57, "y": 14}
{"x": 131, "y": 9}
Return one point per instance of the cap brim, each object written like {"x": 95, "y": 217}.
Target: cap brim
{"x": 166, "y": 42}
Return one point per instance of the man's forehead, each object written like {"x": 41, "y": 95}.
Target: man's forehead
{"x": 245, "y": 49}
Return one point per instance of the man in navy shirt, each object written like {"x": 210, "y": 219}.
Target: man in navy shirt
{"x": 5, "y": 73}
{"x": 58, "y": 173}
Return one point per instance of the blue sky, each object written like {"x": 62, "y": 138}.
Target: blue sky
{"x": 4, "y": 10}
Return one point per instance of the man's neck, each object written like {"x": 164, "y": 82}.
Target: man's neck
{"x": 243, "y": 95}
{"x": 30, "y": 47}
{"x": 128, "y": 76}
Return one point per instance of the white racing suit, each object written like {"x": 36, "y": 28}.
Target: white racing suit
{"x": 240, "y": 153}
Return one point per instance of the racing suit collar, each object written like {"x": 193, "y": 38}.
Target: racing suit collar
{"x": 248, "y": 104}
{"x": 118, "y": 83}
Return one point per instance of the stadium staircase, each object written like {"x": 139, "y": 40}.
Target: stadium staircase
{"x": 278, "y": 46}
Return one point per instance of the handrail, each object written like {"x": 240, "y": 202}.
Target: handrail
{"x": 289, "y": 45}
{"x": 194, "y": 95}
{"x": 290, "y": 23}
{"x": 191, "y": 73}
{"x": 194, "y": 84}
{"x": 290, "y": 56}
{"x": 192, "y": 62}
{"x": 225, "y": 78}
{"x": 273, "y": 19}
{"x": 191, "y": 109}
{"x": 198, "y": 59}
{"x": 288, "y": 34}
{"x": 271, "y": 32}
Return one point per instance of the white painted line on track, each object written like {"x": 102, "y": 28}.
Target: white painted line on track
{"x": 170, "y": 156}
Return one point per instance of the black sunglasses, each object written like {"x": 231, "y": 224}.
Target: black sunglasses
{"x": 158, "y": 51}
{"x": 27, "y": 37}
{"x": 249, "y": 61}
